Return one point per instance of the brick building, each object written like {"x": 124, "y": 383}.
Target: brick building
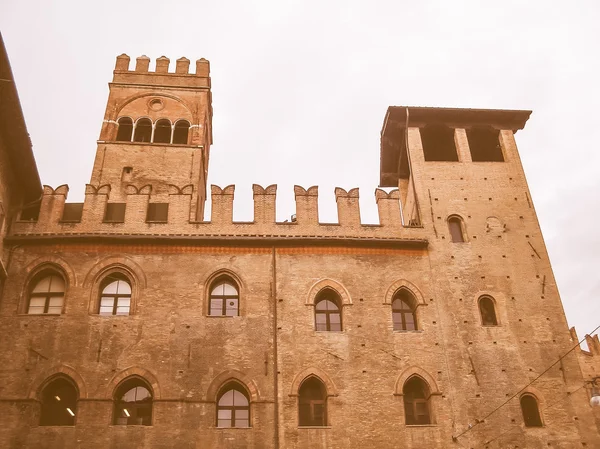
{"x": 128, "y": 321}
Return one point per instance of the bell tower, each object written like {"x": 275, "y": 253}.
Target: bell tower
{"x": 157, "y": 130}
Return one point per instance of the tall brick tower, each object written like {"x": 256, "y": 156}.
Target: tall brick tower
{"x": 157, "y": 130}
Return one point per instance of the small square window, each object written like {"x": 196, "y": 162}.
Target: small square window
{"x": 114, "y": 213}
{"x": 72, "y": 212}
{"x": 157, "y": 212}
{"x": 30, "y": 213}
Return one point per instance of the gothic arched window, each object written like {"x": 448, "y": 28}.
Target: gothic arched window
{"x": 162, "y": 131}
{"x": 46, "y": 294}
{"x": 312, "y": 403}
{"x": 224, "y": 298}
{"x": 455, "y": 226}
{"x": 233, "y": 407}
{"x": 417, "y": 409}
{"x": 143, "y": 130}
{"x": 115, "y": 295}
{"x": 125, "y": 129}
{"x": 133, "y": 403}
{"x": 59, "y": 403}
{"x": 328, "y": 312}
{"x": 404, "y": 316}
{"x": 180, "y": 134}
{"x": 487, "y": 311}
{"x": 531, "y": 411}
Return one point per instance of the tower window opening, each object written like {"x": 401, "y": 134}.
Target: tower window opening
{"x": 59, "y": 403}
{"x": 455, "y": 226}
{"x": 125, "y": 129}
{"x": 143, "y": 131}
{"x": 133, "y": 403}
{"x": 312, "y": 403}
{"x": 47, "y": 295}
{"x": 233, "y": 407}
{"x": 224, "y": 298}
{"x": 488, "y": 311}
{"x": 403, "y": 312}
{"x": 115, "y": 297}
{"x": 438, "y": 143}
{"x": 114, "y": 213}
{"x": 484, "y": 144}
{"x": 72, "y": 213}
{"x": 531, "y": 411}
{"x": 328, "y": 314}
{"x": 162, "y": 131}
{"x": 157, "y": 212}
{"x": 416, "y": 402}
{"x": 180, "y": 134}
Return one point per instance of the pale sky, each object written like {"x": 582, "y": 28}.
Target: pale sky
{"x": 300, "y": 90}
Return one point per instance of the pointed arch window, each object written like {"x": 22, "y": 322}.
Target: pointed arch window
{"x": 224, "y": 298}
{"x": 233, "y": 407}
{"x": 404, "y": 315}
{"x": 417, "y": 407}
{"x": 487, "y": 310}
{"x": 143, "y": 130}
{"x": 328, "y": 312}
{"x": 455, "y": 226}
{"x": 181, "y": 131}
{"x": 46, "y": 295}
{"x": 312, "y": 403}
{"x": 125, "y": 130}
{"x": 133, "y": 403}
{"x": 59, "y": 403}
{"x": 531, "y": 411}
{"x": 162, "y": 131}
{"x": 115, "y": 295}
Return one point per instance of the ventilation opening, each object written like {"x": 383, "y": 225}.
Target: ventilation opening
{"x": 126, "y": 174}
{"x": 438, "y": 143}
{"x": 114, "y": 213}
{"x": 125, "y": 129}
{"x": 72, "y": 213}
{"x": 30, "y": 213}
{"x": 157, "y": 212}
{"x": 180, "y": 135}
{"x": 484, "y": 144}
{"x": 143, "y": 131}
{"x": 162, "y": 132}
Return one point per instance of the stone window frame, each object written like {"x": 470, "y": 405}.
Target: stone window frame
{"x": 419, "y": 302}
{"x": 233, "y": 384}
{"x": 116, "y": 395}
{"x": 331, "y": 392}
{"x": 239, "y": 283}
{"x": 539, "y": 402}
{"x": 434, "y": 392}
{"x": 41, "y": 393}
{"x": 35, "y": 271}
{"x": 495, "y": 306}
{"x": 463, "y": 227}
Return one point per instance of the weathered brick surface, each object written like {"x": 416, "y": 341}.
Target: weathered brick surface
{"x": 185, "y": 355}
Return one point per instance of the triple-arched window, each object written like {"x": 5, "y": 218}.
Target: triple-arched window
{"x": 224, "y": 297}
{"x": 233, "y": 406}
{"x": 312, "y": 403}
{"x": 46, "y": 294}
{"x": 133, "y": 403}
{"x": 59, "y": 403}
{"x": 328, "y": 311}
{"x": 162, "y": 131}
{"x": 404, "y": 314}
{"x": 417, "y": 397}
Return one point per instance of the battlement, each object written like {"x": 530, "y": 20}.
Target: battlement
{"x": 161, "y": 75}
{"x": 167, "y": 211}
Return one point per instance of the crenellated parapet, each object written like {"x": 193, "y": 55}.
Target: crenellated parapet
{"x": 167, "y": 210}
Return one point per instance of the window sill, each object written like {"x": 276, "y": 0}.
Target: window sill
{"x": 56, "y": 427}
{"x": 40, "y": 314}
{"x": 329, "y": 332}
{"x": 417, "y": 331}
{"x": 112, "y": 222}
{"x": 222, "y": 316}
{"x": 123, "y": 426}
{"x": 233, "y": 428}
{"x": 421, "y": 425}
{"x": 156, "y": 222}
{"x": 314, "y": 427}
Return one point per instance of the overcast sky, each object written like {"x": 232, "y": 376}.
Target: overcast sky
{"x": 300, "y": 90}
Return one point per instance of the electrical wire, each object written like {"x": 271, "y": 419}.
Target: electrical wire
{"x": 479, "y": 421}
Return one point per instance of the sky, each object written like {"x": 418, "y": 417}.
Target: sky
{"x": 300, "y": 91}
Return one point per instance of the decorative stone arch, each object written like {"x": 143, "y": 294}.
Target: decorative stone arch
{"x": 413, "y": 371}
{"x": 50, "y": 263}
{"x": 313, "y": 372}
{"x": 121, "y": 106}
{"x": 50, "y": 374}
{"x": 133, "y": 371}
{"x": 122, "y": 265}
{"x": 215, "y": 275}
{"x": 232, "y": 376}
{"x": 323, "y": 284}
{"x": 407, "y": 285}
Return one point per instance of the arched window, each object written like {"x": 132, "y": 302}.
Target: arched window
{"x": 328, "y": 314}
{"x": 233, "y": 407}
{"x": 47, "y": 294}
{"x": 224, "y": 298}
{"x": 531, "y": 411}
{"x": 403, "y": 311}
{"x": 488, "y": 311}
{"x": 115, "y": 295}
{"x": 455, "y": 227}
{"x": 180, "y": 134}
{"x": 133, "y": 403}
{"x": 162, "y": 131}
{"x": 143, "y": 130}
{"x": 59, "y": 403}
{"x": 125, "y": 129}
{"x": 312, "y": 403}
{"x": 416, "y": 401}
